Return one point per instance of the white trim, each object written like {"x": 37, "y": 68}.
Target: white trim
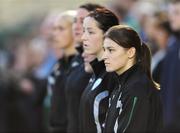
{"x": 96, "y": 83}
{"x": 97, "y": 101}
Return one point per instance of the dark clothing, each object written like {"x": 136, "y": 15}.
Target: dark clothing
{"x": 30, "y": 105}
{"x": 7, "y": 99}
{"x": 157, "y": 73}
{"x": 57, "y": 81}
{"x": 171, "y": 86}
{"x": 77, "y": 81}
{"x": 23, "y": 111}
{"x": 135, "y": 104}
{"x": 94, "y": 100}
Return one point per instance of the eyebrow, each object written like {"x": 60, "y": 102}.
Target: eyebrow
{"x": 109, "y": 47}
{"x": 89, "y": 28}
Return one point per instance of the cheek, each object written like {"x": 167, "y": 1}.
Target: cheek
{"x": 96, "y": 45}
{"x": 118, "y": 61}
{"x": 66, "y": 37}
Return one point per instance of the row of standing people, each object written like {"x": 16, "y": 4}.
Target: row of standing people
{"x": 112, "y": 89}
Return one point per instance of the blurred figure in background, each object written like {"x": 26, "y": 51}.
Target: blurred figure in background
{"x": 64, "y": 46}
{"x": 158, "y": 30}
{"x": 32, "y": 86}
{"x": 123, "y": 9}
{"x": 143, "y": 10}
{"x": 25, "y": 91}
{"x": 170, "y": 81}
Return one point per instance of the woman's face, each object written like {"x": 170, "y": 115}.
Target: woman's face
{"x": 87, "y": 59}
{"x": 62, "y": 34}
{"x": 92, "y": 36}
{"x": 78, "y": 24}
{"x": 115, "y": 57}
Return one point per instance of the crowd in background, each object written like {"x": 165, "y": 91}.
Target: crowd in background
{"x": 30, "y": 74}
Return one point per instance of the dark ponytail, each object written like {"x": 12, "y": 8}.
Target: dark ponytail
{"x": 145, "y": 62}
{"x": 127, "y": 37}
{"x": 145, "y": 59}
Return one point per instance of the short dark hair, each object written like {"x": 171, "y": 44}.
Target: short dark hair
{"x": 105, "y": 18}
{"x": 90, "y": 6}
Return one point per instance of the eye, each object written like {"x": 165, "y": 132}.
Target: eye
{"x": 91, "y": 32}
{"x": 61, "y": 28}
{"x": 104, "y": 49}
{"x": 110, "y": 50}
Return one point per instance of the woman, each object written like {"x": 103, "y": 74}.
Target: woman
{"x": 135, "y": 103}
{"x": 77, "y": 79}
{"x": 94, "y": 100}
{"x": 63, "y": 42}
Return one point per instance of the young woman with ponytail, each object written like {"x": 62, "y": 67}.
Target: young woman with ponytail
{"x": 135, "y": 104}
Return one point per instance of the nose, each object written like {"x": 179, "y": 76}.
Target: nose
{"x": 104, "y": 56}
{"x": 83, "y": 37}
{"x": 83, "y": 54}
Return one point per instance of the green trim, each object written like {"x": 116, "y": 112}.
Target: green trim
{"x": 130, "y": 117}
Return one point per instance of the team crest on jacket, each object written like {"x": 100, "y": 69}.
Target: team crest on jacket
{"x": 74, "y": 64}
{"x": 97, "y": 83}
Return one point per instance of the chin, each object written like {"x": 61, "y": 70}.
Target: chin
{"x": 88, "y": 69}
{"x": 109, "y": 70}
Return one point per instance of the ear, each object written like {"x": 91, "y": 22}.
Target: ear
{"x": 131, "y": 52}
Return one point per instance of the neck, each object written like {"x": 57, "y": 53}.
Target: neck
{"x": 125, "y": 68}
{"x": 99, "y": 55}
{"x": 69, "y": 51}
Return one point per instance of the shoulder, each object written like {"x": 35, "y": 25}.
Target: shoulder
{"x": 141, "y": 87}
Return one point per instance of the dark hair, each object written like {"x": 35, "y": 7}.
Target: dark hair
{"x": 162, "y": 21}
{"x": 90, "y": 6}
{"x": 174, "y": 1}
{"x": 127, "y": 37}
{"x": 105, "y": 18}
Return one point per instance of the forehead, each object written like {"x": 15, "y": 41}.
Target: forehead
{"x": 109, "y": 43}
{"x": 81, "y": 13}
{"x": 90, "y": 22}
{"x": 61, "y": 22}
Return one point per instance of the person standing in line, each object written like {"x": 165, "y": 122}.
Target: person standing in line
{"x": 77, "y": 79}
{"x": 135, "y": 104}
{"x": 64, "y": 46}
{"x": 170, "y": 81}
{"x": 94, "y": 100}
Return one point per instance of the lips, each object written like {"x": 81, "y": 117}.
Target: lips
{"x": 106, "y": 63}
{"x": 77, "y": 34}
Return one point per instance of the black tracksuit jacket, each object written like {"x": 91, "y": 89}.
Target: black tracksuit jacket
{"x": 135, "y": 104}
{"x": 94, "y": 100}
{"x": 57, "y": 81}
{"x": 77, "y": 81}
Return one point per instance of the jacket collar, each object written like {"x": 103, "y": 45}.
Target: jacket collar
{"x": 79, "y": 49}
{"x": 122, "y": 79}
{"x": 98, "y": 67}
